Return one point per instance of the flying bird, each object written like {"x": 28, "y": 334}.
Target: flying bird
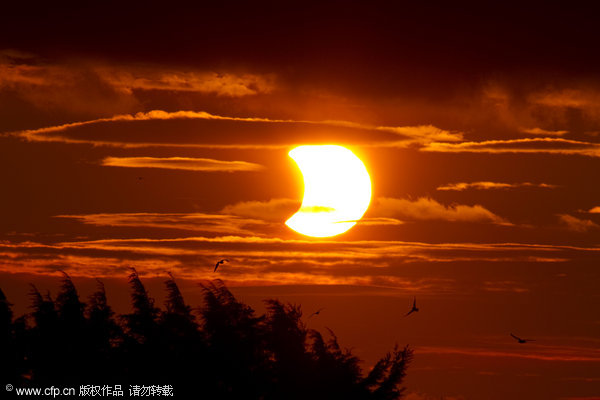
{"x": 219, "y": 263}
{"x": 414, "y": 307}
{"x": 316, "y": 312}
{"x": 522, "y": 340}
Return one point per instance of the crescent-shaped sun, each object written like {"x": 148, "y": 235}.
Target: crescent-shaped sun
{"x": 337, "y": 190}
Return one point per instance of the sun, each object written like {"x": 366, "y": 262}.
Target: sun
{"x": 337, "y": 190}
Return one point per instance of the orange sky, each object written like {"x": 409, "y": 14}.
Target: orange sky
{"x": 159, "y": 139}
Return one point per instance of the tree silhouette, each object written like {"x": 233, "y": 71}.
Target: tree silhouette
{"x": 236, "y": 348}
{"x": 6, "y": 316}
{"x": 141, "y": 345}
{"x": 72, "y": 332}
{"x": 286, "y": 342}
{"x": 44, "y": 314}
{"x": 69, "y": 308}
{"x": 8, "y": 347}
{"x": 104, "y": 336}
{"x": 337, "y": 371}
{"x": 229, "y": 352}
{"x": 142, "y": 323}
{"x": 182, "y": 342}
{"x": 42, "y": 340}
{"x": 101, "y": 320}
{"x": 388, "y": 373}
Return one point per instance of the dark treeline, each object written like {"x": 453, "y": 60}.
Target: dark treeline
{"x": 223, "y": 350}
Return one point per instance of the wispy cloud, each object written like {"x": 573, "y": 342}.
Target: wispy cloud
{"x": 485, "y": 185}
{"x": 426, "y": 208}
{"x": 566, "y": 108}
{"x": 13, "y": 55}
{"x": 539, "y": 352}
{"x": 199, "y": 222}
{"x": 400, "y": 136}
{"x": 504, "y": 286}
{"x": 24, "y": 74}
{"x": 581, "y": 398}
{"x": 424, "y": 396}
{"x": 527, "y": 145}
{"x": 145, "y": 116}
{"x": 379, "y": 221}
{"x": 55, "y": 87}
{"x": 584, "y": 98}
{"x": 184, "y": 163}
{"x": 581, "y": 379}
{"x": 271, "y": 210}
{"x": 543, "y": 132}
{"x": 268, "y": 260}
{"x": 577, "y": 224}
{"x": 239, "y": 273}
{"x": 567, "y": 98}
{"x": 426, "y": 133}
{"x": 56, "y": 133}
{"x": 251, "y": 218}
{"x": 249, "y": 265}
{"x": 222, "y": 84}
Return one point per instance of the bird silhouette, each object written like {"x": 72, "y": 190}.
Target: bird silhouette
{"x": 414, "y": 307}
{"x": 316, "y": 312}
{"x": 522, "y": 340}
{"x": 219, "y": 263}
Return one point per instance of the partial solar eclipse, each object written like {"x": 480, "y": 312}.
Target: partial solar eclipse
{"x": 337, "y": 190}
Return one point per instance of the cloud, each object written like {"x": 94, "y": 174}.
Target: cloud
{"x": 271, "y": 210}
{"x": 183, "y": 163}
{"x": 199, "y": 267}
{"x": 577, "y": 224}
{"x": 279, "y": 265}
{"x": 79, "y": 89}
{"x": 87, "y": 88}
{"x": 13, "y": 55}
{"x": 426, "y": 133}
{"x": 253, "y": 219}
{"x": 527, "y": 145}
{"x": 580, "y": 398}
{"x": 504, "y": 286}
{"x": 567, "y": 98}
{"x": 213, "y": 223}
{"x": 537, "y": 352}
{"x": 581, "y": 379}
{"x": 374, "y": 221}
{"x": 57, "y": 88}
{"x": 424, "y": 396}
{"x": 595, "y": 210}
{"x": 260, "y": 260}
{"x": 21, "y": 71}
{"x": 146, "y": 116}
{"x": 13, "y": 75}
{"x": 426, "y": 208}
{"x": 583, "y": 98}
{"x": 568, "y": 107}
{"x": 419, "y": 135}
{"x": 484, "y": 185}
{"x": 545, "y": 132}
{"x": 130, "y": 78}
{"x": 53, "y": 133}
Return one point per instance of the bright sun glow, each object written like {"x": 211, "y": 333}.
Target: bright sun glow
{"x": 337, "y": 190}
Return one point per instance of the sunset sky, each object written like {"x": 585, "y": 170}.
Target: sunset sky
{"x": 158, "y": 137}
